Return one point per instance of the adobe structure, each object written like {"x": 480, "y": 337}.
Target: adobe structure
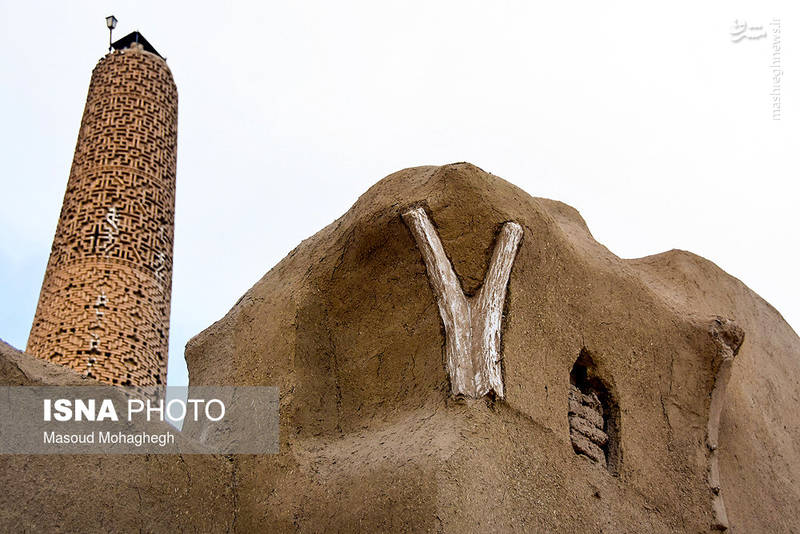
{"x": 105, "y": 301}
{"x": 629, "y": 399}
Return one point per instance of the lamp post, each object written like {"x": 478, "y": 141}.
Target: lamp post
{"x": 111, "y": 22}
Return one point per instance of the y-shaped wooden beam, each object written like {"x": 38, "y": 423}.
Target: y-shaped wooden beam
{"x": 472, "y": 325}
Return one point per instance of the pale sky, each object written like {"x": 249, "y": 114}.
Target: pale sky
{"x": 649, "y": 119}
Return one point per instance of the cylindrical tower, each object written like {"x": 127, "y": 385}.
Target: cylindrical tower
{"x": 105, "y": 301}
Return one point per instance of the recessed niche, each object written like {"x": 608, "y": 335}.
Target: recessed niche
{"x": 593, "y": 415}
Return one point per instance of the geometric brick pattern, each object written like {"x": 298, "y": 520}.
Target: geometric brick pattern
{"x": 105, "y": 301}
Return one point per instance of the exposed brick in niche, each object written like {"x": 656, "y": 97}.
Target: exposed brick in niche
{"x": 593, "y": 415}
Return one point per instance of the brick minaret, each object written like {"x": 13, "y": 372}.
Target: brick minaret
{"x": 105, "y": 300}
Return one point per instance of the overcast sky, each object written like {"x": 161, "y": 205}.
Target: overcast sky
{"x": 650, "y": 120}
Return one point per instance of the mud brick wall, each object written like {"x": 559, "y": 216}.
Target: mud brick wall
{"x": 586, "y": 425}
{"x": 105, "y": 301}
